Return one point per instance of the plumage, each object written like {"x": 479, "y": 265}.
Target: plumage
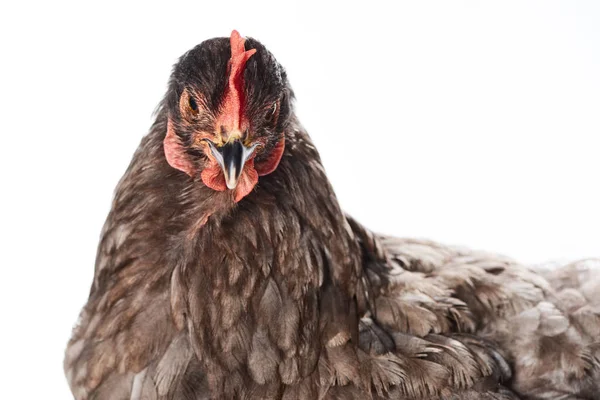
{"x": 249, "y": 282}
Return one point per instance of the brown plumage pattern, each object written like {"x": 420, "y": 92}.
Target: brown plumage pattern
{"x": 283, "y": 296}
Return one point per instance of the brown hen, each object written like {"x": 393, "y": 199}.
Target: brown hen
{"x": 227, "y": 270}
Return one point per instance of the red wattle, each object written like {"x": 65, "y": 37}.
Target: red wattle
{"x": 248, "y": 179}
{"x": 212, "y": 176}
{"x": 265, "y": 167}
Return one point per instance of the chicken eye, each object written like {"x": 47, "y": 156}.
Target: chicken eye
{"x": 193, "y": 105}
{"x": 189, "y": 106}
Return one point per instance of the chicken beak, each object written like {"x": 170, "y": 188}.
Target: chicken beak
{"x": 232, "y": 157}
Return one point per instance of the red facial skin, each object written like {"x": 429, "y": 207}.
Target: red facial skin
{"x": 233, "y": 119}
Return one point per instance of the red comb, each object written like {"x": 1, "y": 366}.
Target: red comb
{"x": 232, "y": 109}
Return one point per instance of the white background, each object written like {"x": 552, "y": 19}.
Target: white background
{"x": 469, "y": 123}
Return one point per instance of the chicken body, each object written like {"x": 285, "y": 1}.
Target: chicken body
{"x": 280, "y": 295}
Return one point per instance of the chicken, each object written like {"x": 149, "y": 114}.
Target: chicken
{"x": 227, "y": 270}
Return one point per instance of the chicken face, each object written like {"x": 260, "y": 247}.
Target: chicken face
{"x": 228, "y": 106}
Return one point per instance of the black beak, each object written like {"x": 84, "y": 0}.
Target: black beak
{"x": 232, "y": 157}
